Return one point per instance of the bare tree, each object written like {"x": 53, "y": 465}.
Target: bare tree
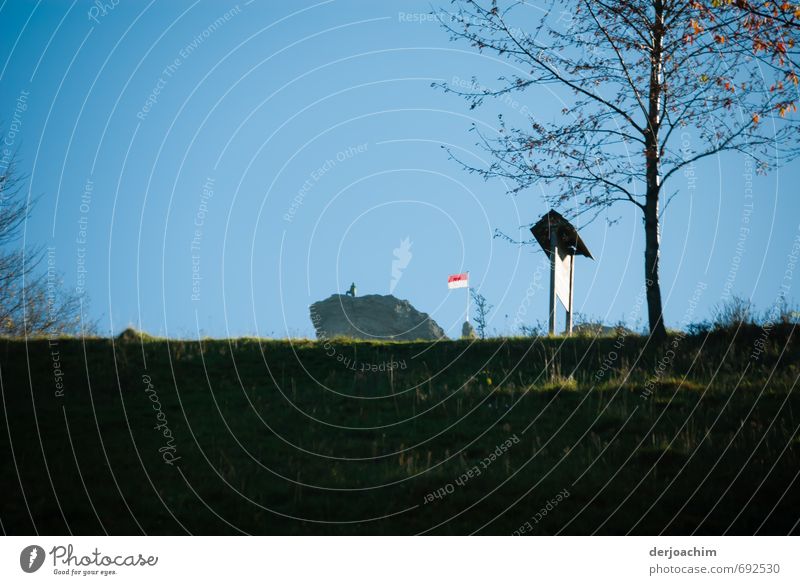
{"x": 482, "y": 310}
{"x": 32, "y": 301}
{"x": 655, "y": 86}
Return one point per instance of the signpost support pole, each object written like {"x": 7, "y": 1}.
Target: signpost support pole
{"x": 571, "y": 280}
{"x": 553, "y": 298}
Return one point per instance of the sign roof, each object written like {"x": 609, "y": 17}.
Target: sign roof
{"x": 565, "y": 232}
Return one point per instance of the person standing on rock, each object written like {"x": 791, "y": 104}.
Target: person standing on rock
{"x": 352, "y": 290}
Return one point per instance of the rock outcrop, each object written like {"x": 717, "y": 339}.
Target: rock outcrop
{"x": 468, "y": 331}
{"x": 374, "y": 317}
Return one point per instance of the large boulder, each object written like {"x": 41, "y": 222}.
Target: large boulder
{"x": 375, "y": 317}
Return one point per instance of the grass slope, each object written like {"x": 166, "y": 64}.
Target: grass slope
{"x": 538, "y": 436}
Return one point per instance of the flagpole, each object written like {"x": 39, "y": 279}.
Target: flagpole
{"x": 467, "y": 296}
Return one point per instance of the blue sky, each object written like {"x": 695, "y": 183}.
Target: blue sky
{"x": 279, "y": 151}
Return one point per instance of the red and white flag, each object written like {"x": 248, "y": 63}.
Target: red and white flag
{"x": 458, "y": 280}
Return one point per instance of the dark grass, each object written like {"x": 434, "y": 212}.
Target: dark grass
{"x": 266, "y": 446}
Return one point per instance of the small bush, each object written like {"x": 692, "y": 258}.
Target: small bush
{"x": 733, "y": 314}
{"x": 739, "y": 313}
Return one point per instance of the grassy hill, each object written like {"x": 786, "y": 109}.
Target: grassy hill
{"x": 582, "y": 435}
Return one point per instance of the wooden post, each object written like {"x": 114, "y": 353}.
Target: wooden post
{"x": 553, "y": 296}
{"x": 571, "y": 280}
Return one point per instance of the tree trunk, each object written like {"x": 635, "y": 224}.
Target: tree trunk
{"x": 653, "y": 180}
{"x": 651, "y": 258}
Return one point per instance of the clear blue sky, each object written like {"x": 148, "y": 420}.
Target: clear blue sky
{"x": 327, "y": 105}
